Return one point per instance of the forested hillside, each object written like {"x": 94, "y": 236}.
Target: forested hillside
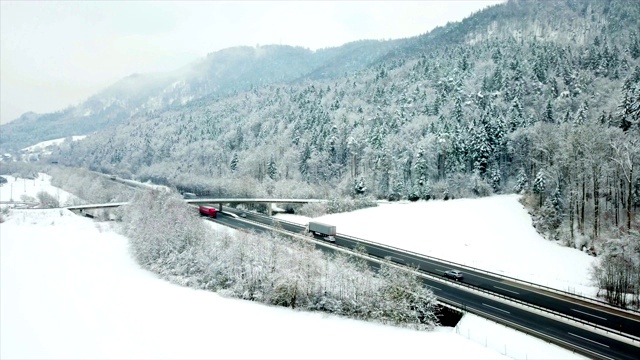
{"x": 540, "y": 97}
{"x": 220, "y": 74}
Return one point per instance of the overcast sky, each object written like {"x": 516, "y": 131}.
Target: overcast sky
{"x": 58, "y": 53}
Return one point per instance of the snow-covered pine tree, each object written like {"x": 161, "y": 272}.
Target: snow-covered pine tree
{"x": 272, "y": 169}
{"x": 496, "y": 179}
{"x": 550, "y": 218}
{"x": 548, "y": 114}
{"x": 582, "y": 115}
{"x": 521, "y": 181}
{"x": 539, "y": 184}
{"x": 303, "y": 166}
{"x": 234, "y": 162}
{"x": 414, "y": 194}
{"x": 629, "y": 108}
{"x": 397, "y": 186}
{"x": 359, "y": 188}
{"x": 557, "y": 201}
{"x": 420, "y": 168}
{"x": 425, "y": 193}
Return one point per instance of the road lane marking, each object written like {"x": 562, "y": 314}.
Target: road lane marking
{"x": 584, "y": 338}
{"x": 434, "y": 287}
{"x": 493, "y": 307}
{"x": 440, "y": 270}
{"x": 498, "y": 287}
{"x": 586, "y": 313}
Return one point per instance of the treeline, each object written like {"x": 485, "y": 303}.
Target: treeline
{"x": 168, "y": 237}
{"x": 584, "y": 179}
{"x": 20, "y": 169}
{"x": 422, "y": 125}
{"x": 540, "y": 98}
{"x": 87, "y": 186}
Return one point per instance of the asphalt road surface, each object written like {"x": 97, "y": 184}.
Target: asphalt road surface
{"x": 602, "y": 316}
{"x": 579, "y": 335}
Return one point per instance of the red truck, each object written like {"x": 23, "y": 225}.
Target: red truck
{"x": 208, "y": 211}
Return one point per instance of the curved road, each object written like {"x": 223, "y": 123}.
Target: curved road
{"x": 602, "y": 316}
{"x": 580, "y": 335}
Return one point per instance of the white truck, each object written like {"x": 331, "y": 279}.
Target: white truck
{"x": 328, "y": 232}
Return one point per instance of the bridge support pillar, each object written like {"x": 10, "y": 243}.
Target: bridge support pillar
{"x": 269, "y": 207}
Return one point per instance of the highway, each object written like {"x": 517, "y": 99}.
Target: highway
{"x": 581, "y": 335}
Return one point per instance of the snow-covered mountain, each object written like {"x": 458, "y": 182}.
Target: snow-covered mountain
{"x": 219, "y": 74}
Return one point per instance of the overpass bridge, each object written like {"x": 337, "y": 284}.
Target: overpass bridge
{"x": 95, "y": 206}
{"x": 218, "y": 201}
{"x": 268, "y": 202}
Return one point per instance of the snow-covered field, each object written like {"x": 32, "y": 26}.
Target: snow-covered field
{"x": 69, "y": 289}
{"x": 493, "y": 234}
{"x": 42, "y": 146}
{"x": 17, "y": 188}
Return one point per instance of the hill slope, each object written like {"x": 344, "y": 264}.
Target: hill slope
{"x": 218, "y": 75}
{"x": 529, "y": 96}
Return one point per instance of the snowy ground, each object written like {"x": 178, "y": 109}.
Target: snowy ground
{"x": 17, "y": 188}
{"x": 69, "y": 289}
{"x": 493, "y": 234}
{"x": 42, "y": 146}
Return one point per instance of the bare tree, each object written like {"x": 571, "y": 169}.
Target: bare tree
{"x": 47, "y": 200}
{"x": 626, "y": 147}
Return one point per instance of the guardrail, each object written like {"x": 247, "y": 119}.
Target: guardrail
{"x": 505, "y": 277}
{"x": 501, "y": 276}
{"x": 635, "y": 340}
{"x": 463, "y": 307}
{"x": 529, "y": 283}
{"x": 550, "y": 339}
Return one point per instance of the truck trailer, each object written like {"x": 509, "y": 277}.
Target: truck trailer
{"x": 328, "y": 232}
{"x": 208, "y": 211}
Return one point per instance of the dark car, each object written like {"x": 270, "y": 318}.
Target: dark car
{"x": 453, "y": 274}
